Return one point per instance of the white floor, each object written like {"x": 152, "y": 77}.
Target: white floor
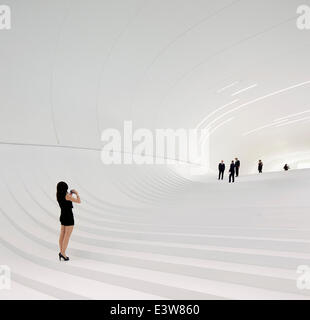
{"x": 144, "y": 232}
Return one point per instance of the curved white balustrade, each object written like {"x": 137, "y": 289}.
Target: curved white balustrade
{"x": 144, "y": 232}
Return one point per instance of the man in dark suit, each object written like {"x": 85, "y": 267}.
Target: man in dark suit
{"x": 232, "y": 172}
{"x": 260, "y": 166}
{"x": 221, "y": 170}
{"x": 237, "y": 166}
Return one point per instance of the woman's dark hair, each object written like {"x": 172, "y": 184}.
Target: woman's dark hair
{"x": 62, "y": 189}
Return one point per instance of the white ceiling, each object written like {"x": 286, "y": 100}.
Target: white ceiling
{"x": 70, "y": 69}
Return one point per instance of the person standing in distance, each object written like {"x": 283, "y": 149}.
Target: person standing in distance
{"x": 221, "y": 170}
{"x": 232, "y": 172}
{"x": 237, "y": 166}
{"x": 260, "y": 166}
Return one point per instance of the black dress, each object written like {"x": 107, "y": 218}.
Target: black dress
{"x": 66, "y": 214}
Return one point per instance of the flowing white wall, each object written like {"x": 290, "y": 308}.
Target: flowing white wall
{"x": 70, "y": 69}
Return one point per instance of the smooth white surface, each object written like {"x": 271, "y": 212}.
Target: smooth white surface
{"x": 143, "y": 232}
{"x": 70, "y": 69}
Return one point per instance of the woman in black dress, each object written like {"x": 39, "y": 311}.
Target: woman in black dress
{"x": 65, "y": 200}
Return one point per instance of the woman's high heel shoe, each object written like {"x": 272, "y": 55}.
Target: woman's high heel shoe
{"x": 61, "y": 256}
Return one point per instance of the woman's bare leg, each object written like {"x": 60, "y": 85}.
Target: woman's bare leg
{"x": 61, "y": 237}
{"x": 68, "y": 231}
